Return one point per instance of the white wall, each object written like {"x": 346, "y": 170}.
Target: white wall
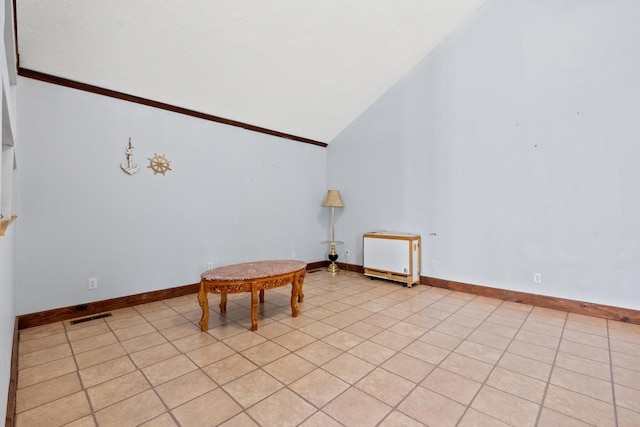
{"x": 512, "y": 149}
{"x": 7, "y": 311}
{"x": 8, "y": 241}
{"x": 231, "y": 196}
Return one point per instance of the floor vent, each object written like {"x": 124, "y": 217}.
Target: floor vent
{"x": 86, "y": 319}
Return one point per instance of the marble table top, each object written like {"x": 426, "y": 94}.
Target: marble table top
{"x": 253, "y": 270}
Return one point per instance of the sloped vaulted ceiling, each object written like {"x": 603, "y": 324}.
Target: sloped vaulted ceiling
{"x": 306, "y": 68}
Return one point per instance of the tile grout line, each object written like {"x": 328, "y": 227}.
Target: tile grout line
{"x": 75, "y": 361}
{"x": 128, "y": 355}
{"x": 613, "y": 383}
{"x": 321, "y": 367}
{"x": 468, "y": 405}
{"x": 553, "y": 367}
{"x": 435, "y": 366}
{"x": 416, "y": 385}
{"x": 168, "y": 410}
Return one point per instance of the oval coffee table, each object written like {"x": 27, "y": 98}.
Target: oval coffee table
{"x": 252, "y": 277}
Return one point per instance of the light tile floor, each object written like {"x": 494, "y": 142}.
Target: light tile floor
{"x": 362, "y": 352}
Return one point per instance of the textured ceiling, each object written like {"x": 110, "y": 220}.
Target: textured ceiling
{"x": 301, "y": 67}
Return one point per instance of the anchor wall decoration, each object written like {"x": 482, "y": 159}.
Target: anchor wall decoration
{"x": 129, "y": 168}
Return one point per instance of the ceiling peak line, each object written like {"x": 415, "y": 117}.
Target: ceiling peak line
{"x": 48, "y": 78}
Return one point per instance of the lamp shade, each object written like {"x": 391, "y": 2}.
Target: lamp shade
{"x": 333, "y": 200}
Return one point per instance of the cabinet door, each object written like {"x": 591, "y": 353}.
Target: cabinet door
{"x": 387, "y": 254}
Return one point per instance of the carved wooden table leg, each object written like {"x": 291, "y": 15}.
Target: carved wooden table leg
{"x": 261, "y": 295}
{"x": 300, "y": 280}
{"x": 254, "y": 306}
{"x": 223, "y": 303}
{"x": 204, "y": 305}
{"x": 294, "y": 298}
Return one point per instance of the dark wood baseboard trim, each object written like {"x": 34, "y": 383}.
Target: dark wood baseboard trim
{"x": 343, "y": 266}
{"x": 589, "y": 309}
{"x": 579, "y": 307}
{"x": 13, "y": 380}
{"x": 96, "y": 307}
{"x": 316, "y": 265}
{"x": 82, "y": 310}
{"x": 48, "y": 78}
{"x": 350, "y": 267}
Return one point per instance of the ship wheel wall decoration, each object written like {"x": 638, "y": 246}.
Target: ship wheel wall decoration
{"x": 159, "y": 164}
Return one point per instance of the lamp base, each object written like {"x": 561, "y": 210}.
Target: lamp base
{"x": 333, "y": 256}
{"x": 333, "y": 268}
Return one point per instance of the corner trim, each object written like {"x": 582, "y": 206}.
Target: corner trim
{"x": 48, "y": 78}
{"x": 579, "y": 307}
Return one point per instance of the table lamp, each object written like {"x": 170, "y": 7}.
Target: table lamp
{"x": 333, "y": 201}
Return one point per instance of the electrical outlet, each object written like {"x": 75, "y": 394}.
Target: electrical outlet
{"x": 210, "y": 265}
{"x": 434, "y": 264}
{"x": 347, "y": 253}
{"x": 293, "y": 254}
{"x": 92, "y": 283}
{"x": 537, "y": 278}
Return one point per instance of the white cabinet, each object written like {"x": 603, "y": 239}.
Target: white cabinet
{"x": 393, "y": 256}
